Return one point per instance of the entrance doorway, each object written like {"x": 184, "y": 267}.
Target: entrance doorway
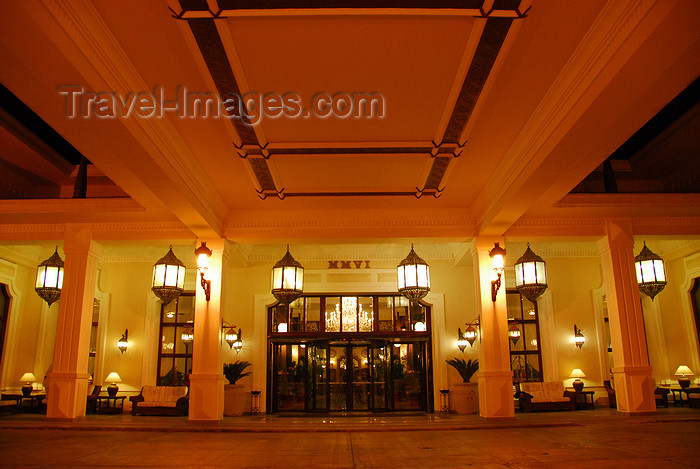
{"x": 349, "y": 376}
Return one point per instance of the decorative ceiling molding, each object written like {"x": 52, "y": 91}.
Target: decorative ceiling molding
{"x": 82, "y": 23}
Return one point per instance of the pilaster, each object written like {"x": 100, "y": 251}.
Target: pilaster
{"x": 68, "y": 380}
{"x": 495, "y": 377}
{"x": 634, "y": 384}
{"x": 207, "y": 379}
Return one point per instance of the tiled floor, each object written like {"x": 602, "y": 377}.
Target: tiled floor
{"x": 599, "y": 438}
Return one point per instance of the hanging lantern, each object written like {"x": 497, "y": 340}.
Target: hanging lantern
{"x": 579, "y": 338}
{"x": 470, "y": 334}
{"x": 287, "y": 279}
{"x": 514, "y": 334}
{"x": 230, "y": 337}
{"x": 187, "y": 335}
{"x": 168, "y": 277}
{"x": 461, "y": 341}
{"x": 530, "y": 275}
{"x": 49, "y": 278}
{"x": 651, "y": 273}
{"x": 413, "y": 276}
{"x": 238, "y": 343}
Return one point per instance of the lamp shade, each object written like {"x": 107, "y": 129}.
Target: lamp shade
{"x": 577, "y": 373}
{"x": 49, "y": 278}
{"x": 413, "y": 276}
{"x": 28, "y": 378}
{"x": 498, "y": 255}
{"x": 168, "y": 277}
{"x": 530, "y": 275}
{"x": 287, "y": 279}
{"x": 684, "y": 371}
{"x": 113, "y": 377}
{"x": 651, "y": 272}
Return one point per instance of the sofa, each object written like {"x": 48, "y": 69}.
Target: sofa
{"x": 161, "y": 400}
{"x": 538, "y": 396}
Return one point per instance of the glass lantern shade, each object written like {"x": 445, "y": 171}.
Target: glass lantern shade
{"x": 187, "y": 335}
{"x": 230, "y": 337}
{"x": 651, "y": 272}
{"x": 514, "y": 334}
{"x": 168, "y": 277}
{"x": 287, "y": 279}
{"x": 530, "y": 275}
{"x": 497, "y": 255}
{"x": 413, "y": 276}
{"x": 49, "y": 278}
{"x": 470, "y": 334}
{"x": 461, "y": 340}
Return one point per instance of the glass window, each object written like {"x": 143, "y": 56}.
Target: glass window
{"x": 4, "y": 313}
{"x": 174, "y": 353}
{"x": 524, "y": 335}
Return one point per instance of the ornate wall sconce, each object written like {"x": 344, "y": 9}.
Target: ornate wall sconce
{"x": 514, "y": 334}
{"x": 497, "y": 255}
{"x": 168, "y": 277}
{"x": 472, "y": 332}
{"x": 461, "y": 340}
{"x": 238, "y": 343}
{"x": 287, "y": 279}
{"x": 229, "y": 333}
{"x": 49, "y": 278}
{"x": 651, "y": 272}
{"x": 413, "y": 277}
{"x": 530, "y": 275}
{"x": 203, "y": 254}
{"x": 124, "y": 341}
{"x": 579, "y": 339}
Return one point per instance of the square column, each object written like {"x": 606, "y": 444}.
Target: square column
{"x": 634, "y": 384}
{"x": 68, "y": 380}
{"x": 495, "y": 377}
{"x": 207, "y": 377}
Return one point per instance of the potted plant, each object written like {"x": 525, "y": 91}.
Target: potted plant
{"x": 235, "y": 394}
{"x": 464, "y": 397}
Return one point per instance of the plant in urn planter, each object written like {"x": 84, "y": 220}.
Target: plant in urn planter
{"x": 235, "y": 394}
{"x": 464, "y": 398}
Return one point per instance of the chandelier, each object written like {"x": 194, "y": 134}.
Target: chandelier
{"x": 348, "y": 314}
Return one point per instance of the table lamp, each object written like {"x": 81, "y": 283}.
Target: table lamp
{"x": 683, "y": 371}
{"x": 114, "y": 378}
{"x": 28, "y": 378}
{"x": 577, "y": 384}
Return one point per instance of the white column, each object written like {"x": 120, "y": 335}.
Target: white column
{"x": 207, "y": 378}
{"x": 634, "y": 385}
{"x": 495, "y": 377}
{"x": 68, "y": 380}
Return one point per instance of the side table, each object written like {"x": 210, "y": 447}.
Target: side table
{"x": 34, "y": 398}
{"x": 584, "y": 402}
{"x": 110, "y": 409}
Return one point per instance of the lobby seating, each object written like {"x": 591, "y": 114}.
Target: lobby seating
{"x": 91, "y": 404}
{"x": 537, "y": 396}
{"x": 694, "y": 397}
{"x": 8, "y": 406}
{"x": 661, "y": 396}
{"x": 160, "y": 400}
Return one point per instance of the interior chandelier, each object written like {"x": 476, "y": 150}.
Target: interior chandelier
{"x": 349, "y": 316}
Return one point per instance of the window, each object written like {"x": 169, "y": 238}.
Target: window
{"x": 695, "y": 300}
{"x": 318, "y": 315}
{"x": 174, "y": 353}
{"x": 524, "y": 334}
{"x": 4, "y": 313}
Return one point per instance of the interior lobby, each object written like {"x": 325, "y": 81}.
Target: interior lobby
{"x": 348, "y": 134}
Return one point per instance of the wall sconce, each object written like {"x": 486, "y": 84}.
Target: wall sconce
{"x": 530, "y": 275}
{"x": 461, "y": 340}
{"x": 651, "y": 272}
{"x": 203, "y": 254}
{"x": 238, "y": 343}
{"x": 124, "y": 341}
{"x": 514, "y": 334}
{"x": 471, "y": 332}
{"x": 497, "y": 255}
{"x": 413, "y": 277}
{"x": 187, "y": 336}
{"x": 579, "y": 339}
{"x": 28, "y": 378}
{"x": 49, "y": 278}
{"x": 229, "y": 333}
{"x": 168, "y": 277}
{"x": 287, "y": 279}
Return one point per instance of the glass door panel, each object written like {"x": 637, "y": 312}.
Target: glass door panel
{"x": 290, "y": 368}
{"x": 317, "y": 385}
{"x": 407, "y": 372}
{"x": 379, "y": 361}
{"x": 361, "y": 384}
{"x": 337, "y": 378}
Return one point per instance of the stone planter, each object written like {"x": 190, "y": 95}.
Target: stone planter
{"x": 235, "y": 399}
{"x": 464, "y": 398}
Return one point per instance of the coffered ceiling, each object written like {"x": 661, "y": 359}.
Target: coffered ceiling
{"x": 490, "y": 114}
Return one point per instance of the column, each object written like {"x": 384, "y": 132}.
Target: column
{"x": 68, "y": 380}
{"x": 634, "y": 385}
{"x": 207, "y": 377}
{"x": 495, "y": 377}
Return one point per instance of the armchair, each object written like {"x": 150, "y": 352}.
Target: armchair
{"x": 91, "y": 405}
